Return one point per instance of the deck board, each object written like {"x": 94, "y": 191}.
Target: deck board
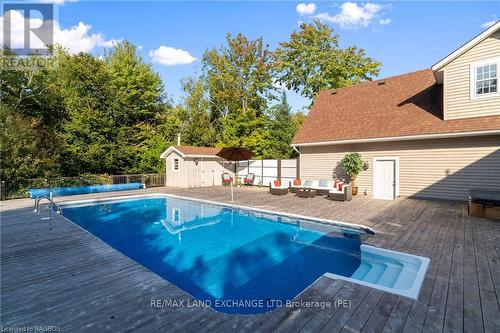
{"x": 67, "y": 277}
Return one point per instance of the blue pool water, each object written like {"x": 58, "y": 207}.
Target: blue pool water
{"x": 250, "y": 260}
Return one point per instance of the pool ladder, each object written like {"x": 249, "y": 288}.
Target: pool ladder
{"x": 51, "y": 205}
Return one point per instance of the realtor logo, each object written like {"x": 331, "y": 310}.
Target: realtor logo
{"x": 28, "y": 28}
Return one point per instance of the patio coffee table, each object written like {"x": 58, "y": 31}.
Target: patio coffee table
{"x": 306, "y": 193}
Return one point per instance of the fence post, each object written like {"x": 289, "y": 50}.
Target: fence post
{"x": 279, "y": 169}
{"x": 262, "y": 171}
{"x": 143, "y": 180}
{"x": 46, "y": 182}
{"x": 297, "y": 168}
{"x": 2, "y": 191}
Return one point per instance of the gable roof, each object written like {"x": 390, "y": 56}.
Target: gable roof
{"x": 467, "y": 46}
{"x": 191, "y": 151}
{"x": 407, "y": 106}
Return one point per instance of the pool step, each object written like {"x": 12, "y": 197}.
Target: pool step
{"x": 390, "y": 275}
{"x": 361, "y": 272}
{"x": 405, "y": 278}
{"x": 379, "y": 273}
{"x": 375, "y": 272}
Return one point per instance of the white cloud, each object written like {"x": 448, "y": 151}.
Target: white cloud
{"x": 385, "y": 21}
{"x": 170, "y": 56}
{"x": 74, "y": 39}
{"x": 306, "y": 8}
{"x": 352, "y": 15}
{"x": 488, "y": 24}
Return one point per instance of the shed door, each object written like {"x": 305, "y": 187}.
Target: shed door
{"x": 384, "y": 179}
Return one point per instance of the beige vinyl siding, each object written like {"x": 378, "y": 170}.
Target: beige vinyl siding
{"x": 457, "y": 99}
{"x": 440, "y": 168}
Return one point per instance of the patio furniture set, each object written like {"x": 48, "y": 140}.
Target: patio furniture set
{"x": 333, "y": 189}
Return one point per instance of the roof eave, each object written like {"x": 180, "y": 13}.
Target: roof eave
{"x": 399, "y": 138}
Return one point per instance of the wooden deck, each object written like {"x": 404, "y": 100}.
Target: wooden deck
{"x": 67, "y": 277}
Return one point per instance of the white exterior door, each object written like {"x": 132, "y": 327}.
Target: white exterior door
{"x": 384, "y": 179}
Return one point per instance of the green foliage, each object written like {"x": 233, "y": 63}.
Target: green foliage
{"x": 239, "y": 77}
{"x": 194, "y": 114}
{"x": 312, "y": 60}
{"x": 93, "y": 115}
{"x": 352, "y": 164}
{"x": 283, "y": 128}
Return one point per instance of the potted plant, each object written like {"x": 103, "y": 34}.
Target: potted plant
{"x": 352, "y": 164}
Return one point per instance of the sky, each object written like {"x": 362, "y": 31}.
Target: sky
{"x": 172, "y": 36}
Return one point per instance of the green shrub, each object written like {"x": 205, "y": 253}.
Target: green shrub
{"x": 352, "y": 164}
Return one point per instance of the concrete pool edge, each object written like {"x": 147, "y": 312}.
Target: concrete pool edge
{"x": 411, "y": 292}
{"x": 340, "y": 224}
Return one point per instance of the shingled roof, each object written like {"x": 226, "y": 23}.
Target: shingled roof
{"x": 399, "y": 106}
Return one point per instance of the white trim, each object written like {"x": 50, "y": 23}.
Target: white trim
{"x": 396, "y": 173}
{"x": 178, "y": 164}
{"x": 399, "y": 138}
{"x": 173, "y": 149}
{"x": 473, "y": 75}
{"x": 467, "y": 46}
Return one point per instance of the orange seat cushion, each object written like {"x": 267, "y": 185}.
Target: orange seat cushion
{"x": 297, "y": 182}
{"x": 277, "y": 183}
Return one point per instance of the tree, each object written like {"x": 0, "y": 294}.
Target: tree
{"x": 24, "y": 148}
{"x": 194, "y": 112}
{"x": 283, "y": 128}
{"x": 248, "y": 130}
{"x": 312, "y": 60}
{"x": 239, "y": 77}
{"x": 138, "y": 89}
{"x": 90, "y": 129}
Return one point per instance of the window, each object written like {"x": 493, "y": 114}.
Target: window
{"x": 484, "y": 79}
{"x": 175, "y": 164}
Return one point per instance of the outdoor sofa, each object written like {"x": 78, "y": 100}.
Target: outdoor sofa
{"x": 322, "y": 187}
{"x": 278, "y": 188}
{"x": 345, "y": 194}
{"x": 303, "y": 184}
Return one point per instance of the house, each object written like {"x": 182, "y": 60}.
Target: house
{"x": 189, "y": 167}
{"x": 433, "y": 133}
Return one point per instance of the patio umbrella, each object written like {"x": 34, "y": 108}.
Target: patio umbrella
{"x": 234, "y": 155}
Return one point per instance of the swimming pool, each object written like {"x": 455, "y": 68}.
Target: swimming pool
{"x": 237, "y": 260}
